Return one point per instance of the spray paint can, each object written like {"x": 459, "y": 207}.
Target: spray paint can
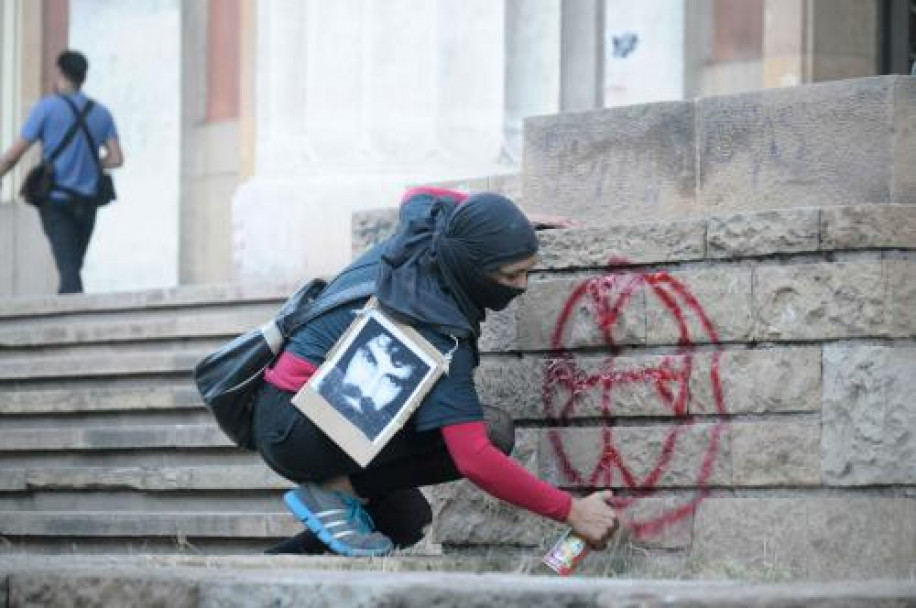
{"x": 566, "y": 554}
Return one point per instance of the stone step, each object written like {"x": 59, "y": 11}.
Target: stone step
{"x": 770, "y": 149}
{"x": 509, "y": 581}
{"x": 147, "y": 437}
{"x": 100, "y": 365}
{"x": 99, "y": 398}
{"x": 132, "y": 524}
{"x": 172, "y": 324}
{"x": 778, "y": 536}
{"x": 145, "y": 479}
{"x": 715, "y": 236}
{"x": 12, "y": 309}
{"x": 720, "y": 304}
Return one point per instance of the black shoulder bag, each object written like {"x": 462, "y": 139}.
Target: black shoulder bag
{"x": 229, "y": 377}
{"x": 104, "y": 186}
{"x": 39, "y": 181}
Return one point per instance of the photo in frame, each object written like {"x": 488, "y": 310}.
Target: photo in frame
{"x": 372, "y": 380}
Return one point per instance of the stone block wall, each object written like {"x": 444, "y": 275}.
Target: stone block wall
{"x": 743, "y": 384}
{"x": 728, "y": 340}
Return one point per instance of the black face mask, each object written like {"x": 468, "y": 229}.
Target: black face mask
{"x": 489, "y": 293}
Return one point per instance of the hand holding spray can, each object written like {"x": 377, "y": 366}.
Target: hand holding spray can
{"x": 570, "y": 549}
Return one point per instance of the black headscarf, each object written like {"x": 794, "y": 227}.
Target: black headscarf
{"x": 434, "y": 269}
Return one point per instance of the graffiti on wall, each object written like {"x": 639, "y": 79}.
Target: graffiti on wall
{"x": 566, "y": 381}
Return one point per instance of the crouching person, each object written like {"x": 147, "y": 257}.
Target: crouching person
{"x": 452, "y": 258}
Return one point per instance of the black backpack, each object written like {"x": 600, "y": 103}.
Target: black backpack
{"x": 229, "y": 377}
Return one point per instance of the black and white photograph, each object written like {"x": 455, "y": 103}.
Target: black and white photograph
{"x": 373, "y": 377}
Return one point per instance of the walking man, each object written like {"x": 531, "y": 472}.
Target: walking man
{"x": 68, "y": 213}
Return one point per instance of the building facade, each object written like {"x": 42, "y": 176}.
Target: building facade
{"x": 252, "y": 129}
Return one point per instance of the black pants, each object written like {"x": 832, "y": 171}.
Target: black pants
{"x": 68, "y": 227}
{"x": 298, "y": 450}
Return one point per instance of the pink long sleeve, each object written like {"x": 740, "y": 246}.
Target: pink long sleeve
{"x": 479, "y": 461}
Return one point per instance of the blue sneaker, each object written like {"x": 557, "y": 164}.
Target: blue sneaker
{"x": 339, "y": 521}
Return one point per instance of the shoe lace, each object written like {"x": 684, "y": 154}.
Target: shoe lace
{"x": 359, "y": 516}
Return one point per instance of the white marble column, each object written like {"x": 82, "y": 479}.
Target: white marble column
{"x": 357, "y": 99}
{"x": 134, "y": 68}
{"x": 644, "y": 51}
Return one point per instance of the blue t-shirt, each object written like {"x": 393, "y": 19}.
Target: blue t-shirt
{"x": 49, "y": 122}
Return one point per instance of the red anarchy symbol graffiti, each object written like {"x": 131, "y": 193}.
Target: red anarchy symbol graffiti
{"x": 608, "y": 296}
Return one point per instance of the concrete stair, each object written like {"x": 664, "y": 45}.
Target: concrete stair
{"x": 235, "y": 582}
{"x": 105, "y": 445}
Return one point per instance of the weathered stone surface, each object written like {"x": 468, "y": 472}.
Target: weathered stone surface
{"x": 113, "y": 438}
{"x": 699, "y": 306}
{"x": 901, "y": 297}
{"x": 833, "y": 595}
{"x": 512, "y": 384}
{"x": 819, "y": 538}
{"x": 760, "y": 538}
{"x": 752, "y": 234}
{"x": 12, "y": 480}
{"x": 869, "y": 415}
{"x": 904, "y": 143}
{"x": 196, "y": 295}
{"x": 868, "y": 226}
{"x": 861, "y": 537}
{"x": 675, "y": 533}
{"x": 828, "y": 144}
{"x": 654, "y": 456}
{"x": 621, "y": 244}
{"x": 757, "y": 381}
{"x": 636, "y": 161}
{"x": 145, "y": 523}
{"x": 372, "y": 227}
{"x": 464, "y": 514}
{"x": 533, "y": 387}
{"x": 69, "y": 366}
{"x": 613, "y": 303}
{"x": 820, "y": 301}
{"x": 776, "y": 453}
{"x": 98, "y": 400}
{"x": 100, "y": 589}
{"x": 499, "y": 333}
{"x": 607, "y": 386}
{"x": 318, "y": 581}
{"x": 193, "y": 478}
{"x": 137, "y": 327}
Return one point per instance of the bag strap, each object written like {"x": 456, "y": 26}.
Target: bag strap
{"x": 81, "y": 124}
{"x": 79, "y": 119}
{"x": 300, "y": 317}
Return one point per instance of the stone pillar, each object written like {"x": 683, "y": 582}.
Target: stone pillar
{"x": 357, "y": 99}
{"x": 644, "y": 51}
{"x": 135, "y": 245}
{"x": 209, "y": 148}
{"x": 26, "y": 265}
{"x": 533, "y": 65}
{"x": 582, "y": 55}
{"x": 816, "y": 40}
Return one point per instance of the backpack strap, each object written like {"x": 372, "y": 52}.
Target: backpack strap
{"x": 318, "y": 307}
{"x": 79, "y": 119}
{"x": 81, "y": 124}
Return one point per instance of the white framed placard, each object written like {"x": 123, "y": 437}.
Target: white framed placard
{"x": 372, "y": 380}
